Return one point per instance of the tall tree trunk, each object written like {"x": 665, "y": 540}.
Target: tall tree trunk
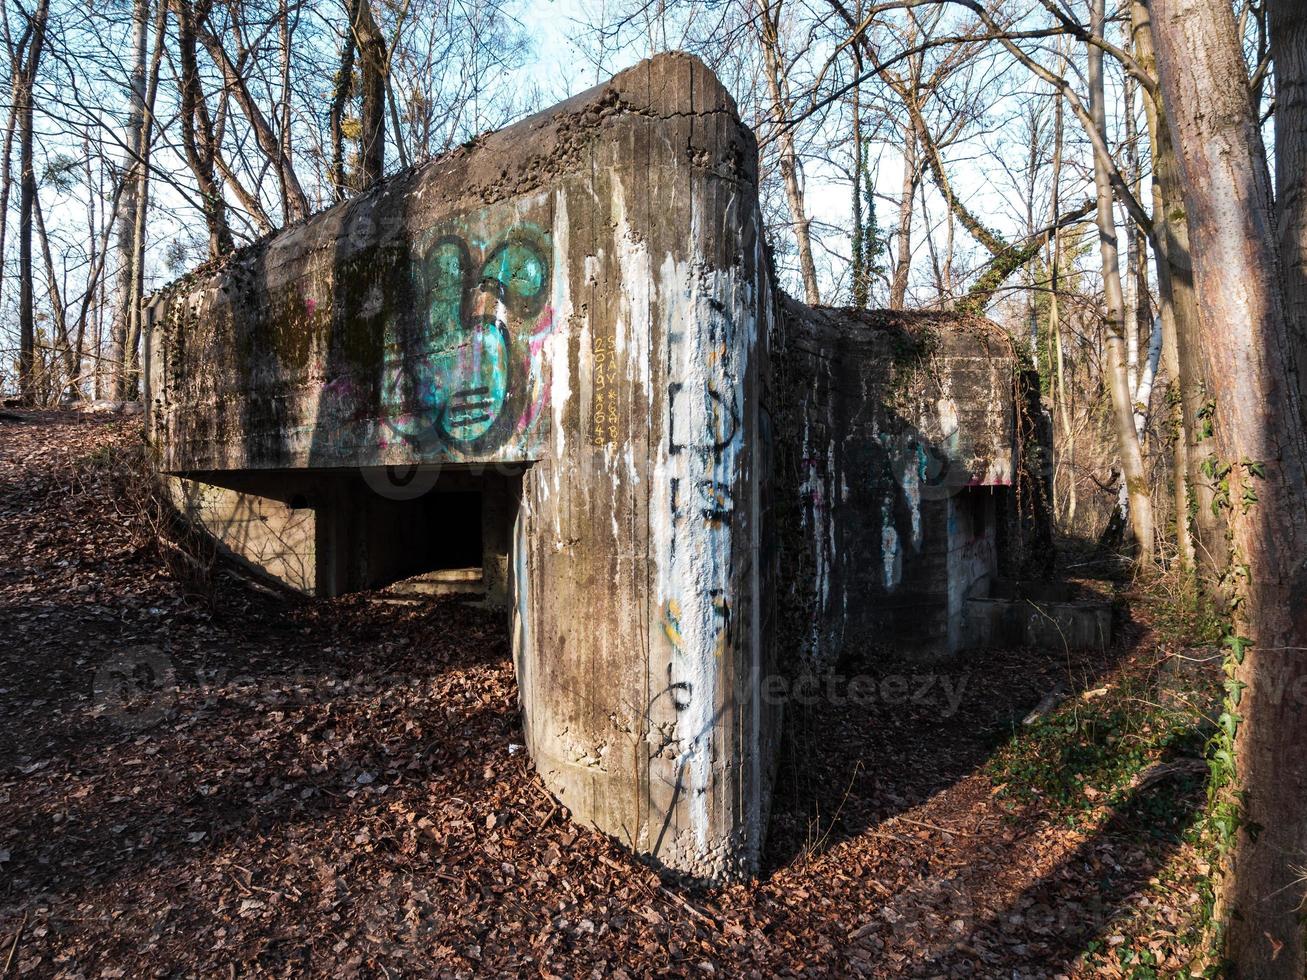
{"x": 95, "y": 260}
{"x": 859, "y": 273}
{"x": 58, "y": 313}
{"x": 1133, "y": 326}
{"x": 133, "y": 175}
{"x": 1140, "y": 322}
{"x": 26, "y": 206}
{"x": 1259, "y": 433}
{"x": 6, "y": 151}
{"x": 145, "y": 143}
{"x": 789, "y": 158}
{"x": 898, "y": 290}
{"x": 197, "y": 129}
{"x": 373, "y": 66}
{"x": 1055, "y": 323}
{"x": 1120, "y": 383}
{"x": 341, "y": 88}
{"x": 1288, "y": 29}
{"x": 283, "y": 117}
{"x": 1033, "y": 161}
{"x": 1200, "y": 539}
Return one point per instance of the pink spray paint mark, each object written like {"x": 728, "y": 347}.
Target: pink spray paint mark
{"x": 532, "y": 365}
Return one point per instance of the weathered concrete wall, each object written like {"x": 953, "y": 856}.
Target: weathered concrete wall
{"x": 272, "y": 537}
{"x": 585, "y": 292}
{"x": 894, "y": 432}
{"x": 638, "y": 532}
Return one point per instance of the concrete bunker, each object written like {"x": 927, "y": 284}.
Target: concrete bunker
{"x": 563, "y": 339}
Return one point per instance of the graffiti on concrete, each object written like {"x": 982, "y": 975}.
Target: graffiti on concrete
{"x": 606, "y": 412}
{"x": 471, "y": 375}
{"x": 698, "y": 471}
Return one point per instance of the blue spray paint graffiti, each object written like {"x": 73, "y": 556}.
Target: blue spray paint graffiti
{"x": 471, "y": 379}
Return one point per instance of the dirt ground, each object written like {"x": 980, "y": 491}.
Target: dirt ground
{"x": 234, "y": 783}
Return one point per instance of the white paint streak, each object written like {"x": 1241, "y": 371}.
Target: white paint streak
{"x": 912, "y": 491}
{"x": 700, "y": 456}
{"x": 631, "y": 332}
{"x": 560, "y": 382}
{"x": 891, "y": 556}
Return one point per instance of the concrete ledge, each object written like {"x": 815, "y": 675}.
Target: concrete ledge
{"x": 994, "y": 623}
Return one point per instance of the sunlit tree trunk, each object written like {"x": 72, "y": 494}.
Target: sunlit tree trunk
{"x": 1259, "y": 433}
{"x": 133, "y": 175}
{"x": 789, "y": 159}
{"x": 1120, "y": 383}
{"x": 1068, "y": 454}
{"x": 145, "y": 143}
{"x": 7, "y": 147}
{"x": 903, "y": 235}
{"x": 27, "y": 204}
{"x": 58, "y": 312}
{"x": 1199, "y": 538}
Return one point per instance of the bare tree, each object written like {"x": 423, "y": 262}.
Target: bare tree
{"x": 1288, "y": 49}
{"x": 294, "y": 201}
{"x": 1246, "y": 338}
{"x": 33, "y": 45}
{"x": 374, "y": 64}
{"x": 133, "y": 179}
{"x": 769, "y": 31}
{"x": 197, "y": 126}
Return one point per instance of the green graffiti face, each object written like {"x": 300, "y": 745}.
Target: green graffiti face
{"x": 517, "y": 272}
{"x": 477, "y": 312}
{"x": 475, "y": 378}
{"x": 442, "y": 273}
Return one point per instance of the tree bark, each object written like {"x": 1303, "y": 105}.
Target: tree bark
{"x": 1259, "y": 432}
{"x": 1055, "y": 324}
{"x": 1288, "y": 30}
{"x": 1120, "y": 383}
{"x": 903, "y": 234}
{"x": 340, "y": 92}
{"x": 789, "y": 158}
{"x": 859, "y": 274}
{"x": 283, "y": 116}
{"x": 133, "y": 175}
{"x": 1200, "y": 538}
{"x": 26, "y": 205}
{"x": 373, "y": 67}
{"x": 1135, "y": 295}
{"x": 6, "y": 151}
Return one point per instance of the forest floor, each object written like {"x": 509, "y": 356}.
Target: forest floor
{"x": 338, "y": 787}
